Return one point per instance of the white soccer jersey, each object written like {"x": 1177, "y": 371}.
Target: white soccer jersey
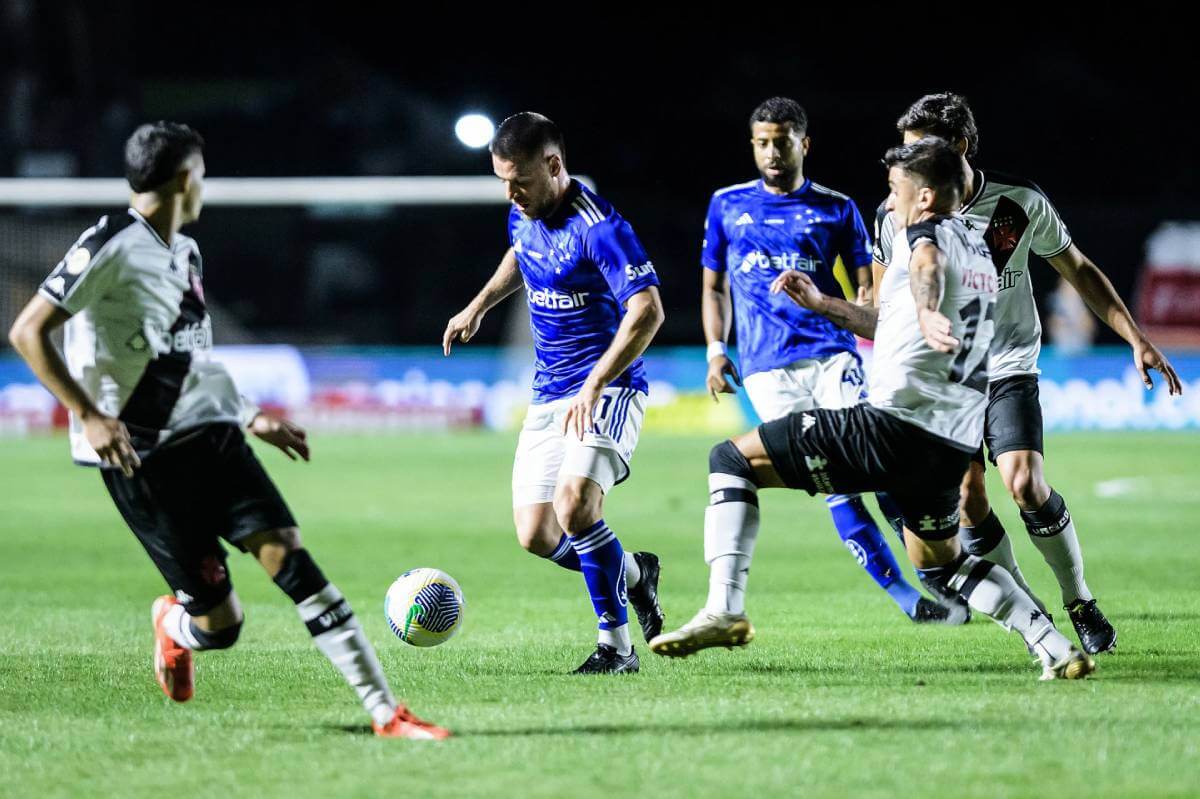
{"x": 943, "y": 393}
{"x": 1016, "y": 218}
{"x": 139, "y": 337}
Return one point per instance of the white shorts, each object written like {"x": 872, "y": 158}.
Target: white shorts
{"x": 544, "y": 453}
{"x": 834, "y": 382}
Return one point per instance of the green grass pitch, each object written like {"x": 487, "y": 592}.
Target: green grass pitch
{"x": 839, "y": 695}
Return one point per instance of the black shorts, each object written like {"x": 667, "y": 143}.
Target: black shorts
{"x": 188, "y": 495}
{"x": 860, "y": 449}
{"x": 1014, "y": 417}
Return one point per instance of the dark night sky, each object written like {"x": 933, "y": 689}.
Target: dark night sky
{"x": 654, "y": 103}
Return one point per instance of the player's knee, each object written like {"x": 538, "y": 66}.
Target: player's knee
{"x": 1025, "y": 487}
{"x": 533, "y": 537}
{"x": 299, "y": 576}
{"x": 574, "y": 509}
{"x": 726, "y": 458}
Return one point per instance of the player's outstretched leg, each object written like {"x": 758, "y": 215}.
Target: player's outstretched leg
{"x": 992, "y": 591}
{"x": 861, "y": 536}
{"x": 1052, "y": 531}
{"x": 730, "y": 530}
{"x": 336, "y": 632}
{"x": 539, "y": 532}
{"x": 578, "y": 504}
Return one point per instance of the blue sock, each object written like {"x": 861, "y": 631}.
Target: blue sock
{"x": 564, "y": 555}
{"x": 603, "y": 562}
{"x": 892, "y": 513}
{"x": 858, "y": 531}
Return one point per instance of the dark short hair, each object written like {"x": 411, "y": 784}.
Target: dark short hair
{"x": 933, "y": 162}
{"x": 525, "y": 135}
{"x": 944, "y": 114}
{"x": 781, "y": 111}
{"x": 156, "y": 151}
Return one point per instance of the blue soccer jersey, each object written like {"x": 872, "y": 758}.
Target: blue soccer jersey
{"x": 580, "y": 266}
{"x": 754, "y": 235}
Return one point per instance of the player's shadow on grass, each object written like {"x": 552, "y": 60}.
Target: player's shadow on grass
{"x": 735, "y": 725}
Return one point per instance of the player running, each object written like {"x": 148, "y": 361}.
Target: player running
{"x": 1016, "y": 219}
{"x": 915, "y": 434}
{"x": 164, "y": 424}
{"x": 594, "y": 307}
{"x": 793, "y": 359}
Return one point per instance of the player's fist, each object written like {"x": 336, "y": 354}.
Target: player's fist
{"x": 462, "y": 326}
{"x": 937, "y": 329}
{"x": 722, "y": 376}
{"x": 109, "y": 437}
{"x": 800, "y": 288}
{"x": 289, "y": 437}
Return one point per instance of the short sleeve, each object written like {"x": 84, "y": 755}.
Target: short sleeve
{"x": 855, "y": 244}
{"x": 921, "y": 233}
{"x": 713, "y": 248}
{"x": 615, "y": 250}
{"x": 885, "y": 231}
{"x": 1050, "y": 235}
{"x": 84, "y": 274}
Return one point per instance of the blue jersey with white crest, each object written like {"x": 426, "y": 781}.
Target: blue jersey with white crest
{"x": 580, "y": 267}
{"x": 753, "y": 235}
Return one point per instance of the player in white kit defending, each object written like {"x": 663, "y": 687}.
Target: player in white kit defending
{"x": 912, "y": 438}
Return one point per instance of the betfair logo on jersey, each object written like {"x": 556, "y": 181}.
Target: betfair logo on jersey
{"x": 190, "y": 338}
{"x": 779, "y": 263}
{"x": 1010, "y": 278}
{"x": 632, "y": 272}
{"x": 552, "y": 300}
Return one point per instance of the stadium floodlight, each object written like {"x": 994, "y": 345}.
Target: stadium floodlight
{"x": 474, "y": 130}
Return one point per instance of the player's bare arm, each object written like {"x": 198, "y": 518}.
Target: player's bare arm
{"x": 716, "y": 312}
{"x": 463, "y": 325}
{"x": 644, "y": 315}
{"x": 30, "y": 337}
{"x": 1098, "y": 292}
{"x": 927, "y": 280}
{"x": 858, "y": 319}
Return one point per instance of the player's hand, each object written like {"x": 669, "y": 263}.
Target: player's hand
{"x": 289, "y": 437}
{"x": 579, "y": 412}
{"x": 462, "y": 326}
{"x": 936, "y": 329}
{"x": 1146, "y": 357}
{"x": 800, "y": 288}
{"x": 109, "y": 437}
{"x": 864, "y": 298}
{"x": 722, "y": 376}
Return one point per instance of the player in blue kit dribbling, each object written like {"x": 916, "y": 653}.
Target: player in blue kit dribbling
{"x": 792, "y": 359}
{"x": 594, "y": 307}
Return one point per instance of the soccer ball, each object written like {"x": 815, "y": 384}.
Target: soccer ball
{"x": 424, "y": 607}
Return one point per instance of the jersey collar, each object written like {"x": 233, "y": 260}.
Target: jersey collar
{"x": 980, "y": 183}
{"x": 137, "y": 215}
{"x": 762, "y": 187}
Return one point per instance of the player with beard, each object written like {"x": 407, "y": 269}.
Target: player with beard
{"x": 791, "y": 358}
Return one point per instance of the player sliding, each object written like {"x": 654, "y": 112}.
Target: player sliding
{"x": 164, "y": 424}
{"x": 793, "y": 359}
{"x": 594, "y": 307}
{"x": 1017, "y": 219}
{"x": 912, "y": 438}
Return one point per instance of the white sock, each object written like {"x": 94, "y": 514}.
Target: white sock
{"x": 991, "y": 590}
{"x": 730, "y": 530}
{"x": 1002, "y": 555}
{"x": 340, "y": 638}
{"x": 618, "y": 639}
{"x": 1052, "y": 531}
{"x": 633, "y": 573}
{"x": 178, "y": 625}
